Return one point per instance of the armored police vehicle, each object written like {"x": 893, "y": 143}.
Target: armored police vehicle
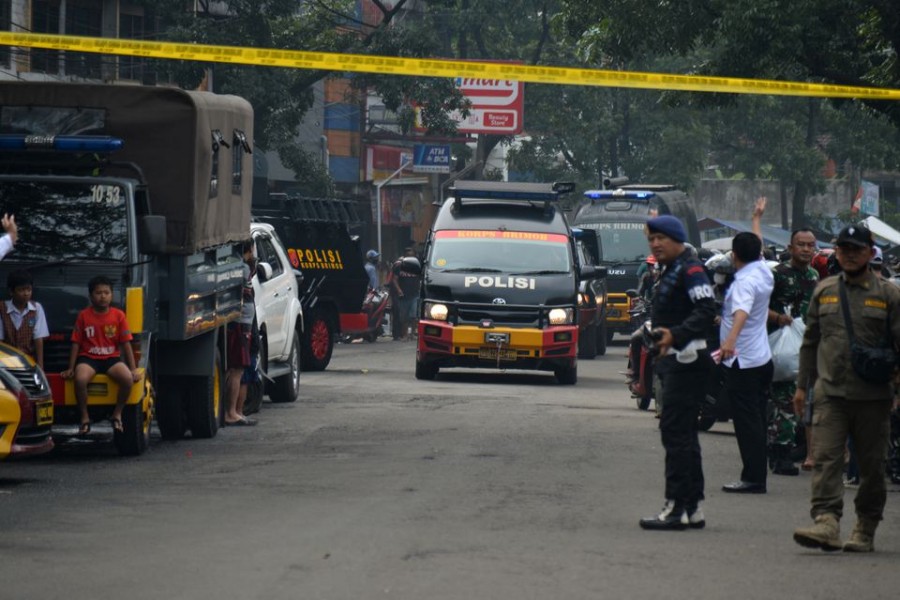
{"x": 618, "y": 217}
{"x": 500, "y": 282}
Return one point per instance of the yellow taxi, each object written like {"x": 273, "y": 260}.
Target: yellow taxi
{"x": 26, "y": 406}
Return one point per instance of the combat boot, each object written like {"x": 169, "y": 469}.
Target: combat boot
{"x": 824, "y": 534}
{"x": 671, "y": 518}
{"x": 863, "y": 537}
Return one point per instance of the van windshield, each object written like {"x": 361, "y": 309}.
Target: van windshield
{"x": 621, "y": 241}
{"x": 501, "y": 251}
{"x": 64, "y": 220}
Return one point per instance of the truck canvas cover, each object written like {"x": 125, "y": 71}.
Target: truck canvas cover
{"x": 178, "y": 131}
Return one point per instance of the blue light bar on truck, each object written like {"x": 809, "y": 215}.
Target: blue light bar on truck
{"x": 618, "y": 195}
{"x": 61, "y": 143}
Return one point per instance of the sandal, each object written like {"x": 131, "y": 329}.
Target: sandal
{"x": 808, "y": 464}
{"x": 85, "y": 428}
{"x": 117, "y": 425}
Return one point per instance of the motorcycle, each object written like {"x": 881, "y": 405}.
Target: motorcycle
{"x": 376, "y": 307}
{"x": 640, "y": 358}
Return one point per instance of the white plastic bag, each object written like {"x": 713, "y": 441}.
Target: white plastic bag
{"x": 785, "y": 344}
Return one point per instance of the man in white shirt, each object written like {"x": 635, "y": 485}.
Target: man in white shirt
{"x": 747, "y": 359}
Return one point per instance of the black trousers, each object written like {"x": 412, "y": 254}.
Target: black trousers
{"x": 678, "y": 426}
{"x": 748, "y": 392}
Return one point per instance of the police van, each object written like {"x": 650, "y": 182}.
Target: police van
{"x": 500, "y": 282}
{"x": 618, "y": 217}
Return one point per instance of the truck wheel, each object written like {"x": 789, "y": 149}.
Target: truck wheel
{"x": 287, "y": 387}
{"x": 425, "y": 371}
{"x": 587, "y": 343}
{"x": 601, "y": 338}
{"x": 567, "y": 375}
{"x": 169, "y": 408}
{"x": 318, "y": 342}
{"x": 205, "y": 402}
{"x": 135, "y": 435}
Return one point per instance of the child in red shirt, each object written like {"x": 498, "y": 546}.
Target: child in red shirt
{"x": 100, "y": 339}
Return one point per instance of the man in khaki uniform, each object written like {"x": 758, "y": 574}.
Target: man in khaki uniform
{"x": 845, "y": 404}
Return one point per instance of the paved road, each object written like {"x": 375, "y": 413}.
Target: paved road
{"x": 374, "y": 485}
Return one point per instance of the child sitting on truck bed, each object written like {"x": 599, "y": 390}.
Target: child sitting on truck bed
{"x": 100, "y": 338}
{"x": 23, "y": 323}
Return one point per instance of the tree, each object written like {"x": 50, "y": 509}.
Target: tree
{"x": 849, "y": 42}
{"x": 280, "y": 97}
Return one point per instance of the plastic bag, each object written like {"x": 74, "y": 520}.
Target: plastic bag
{"x": 785, "y": 345}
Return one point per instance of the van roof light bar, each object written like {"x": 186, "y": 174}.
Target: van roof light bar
{"x": 503, "y": 191}
{"x": 60, "y": 143}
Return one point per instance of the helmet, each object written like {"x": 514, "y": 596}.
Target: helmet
{"x": 721, "y": 263}
{"x": 372, "y": 255}
{"x": 820, "y": 262}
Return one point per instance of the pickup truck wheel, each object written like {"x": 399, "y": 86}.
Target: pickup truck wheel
{"x": 567, "y": 375}
{"x": 286, "y": 388}
{"x": 425, "y": 371}
{"x": 318, "y": 342}
{"x": 601, "y": 338}
{"x": 169, "y": 408}
{"x": 135, "y": 437}
{"x": 205, "y": 402}
{"x": 587, "y": 342}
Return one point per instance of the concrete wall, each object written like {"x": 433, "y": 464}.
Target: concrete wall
{"x": 734, "y": 200}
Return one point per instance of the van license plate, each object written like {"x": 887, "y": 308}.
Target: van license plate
{"x": 497, "y": 353}
{"x": 44, "y": 412}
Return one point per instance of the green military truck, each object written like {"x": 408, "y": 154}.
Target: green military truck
{"x": 150, "y": 187}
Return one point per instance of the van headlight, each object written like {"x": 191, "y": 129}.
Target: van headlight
{"x": 435, "y": 311}
{"x": 560, "y": 316}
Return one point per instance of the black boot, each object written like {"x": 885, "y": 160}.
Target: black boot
{"x": 671, "y": 518}
{"x": 781, "y": 461}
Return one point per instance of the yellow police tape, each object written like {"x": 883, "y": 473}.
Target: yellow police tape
{"x": 388, "y": 65}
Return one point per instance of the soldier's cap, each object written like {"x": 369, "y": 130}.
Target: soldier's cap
{"x": 855, "y": 235}
{"x": 669, "y": 226}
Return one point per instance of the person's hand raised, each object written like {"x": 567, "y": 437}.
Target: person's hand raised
{"x": 760, "y": 207}
{"x": 10, "y": 227}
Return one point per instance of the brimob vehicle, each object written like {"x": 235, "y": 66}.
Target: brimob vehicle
{"x": 26, "y": 407}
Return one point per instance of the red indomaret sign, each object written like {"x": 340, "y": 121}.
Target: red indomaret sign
{"x": 497, "y": 106}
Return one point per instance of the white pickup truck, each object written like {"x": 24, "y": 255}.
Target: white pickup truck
{"x": 279, "y": 316}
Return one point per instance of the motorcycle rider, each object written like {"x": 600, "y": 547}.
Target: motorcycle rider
{"x": 371, "y": 267}
{"x": 682, "y": 314}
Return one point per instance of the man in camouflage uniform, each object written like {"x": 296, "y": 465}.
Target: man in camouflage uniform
{"x": 795, "y": 281}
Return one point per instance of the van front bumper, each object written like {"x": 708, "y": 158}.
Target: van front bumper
{"x": 443, "y": 344}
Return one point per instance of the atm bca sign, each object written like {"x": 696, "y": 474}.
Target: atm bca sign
{"x": 497, "y": 106}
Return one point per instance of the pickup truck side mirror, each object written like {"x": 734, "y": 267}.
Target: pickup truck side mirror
{"x": 151, "y": 234}
{"x": 591, "y": 272}
{"x": 264, "y": 271}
